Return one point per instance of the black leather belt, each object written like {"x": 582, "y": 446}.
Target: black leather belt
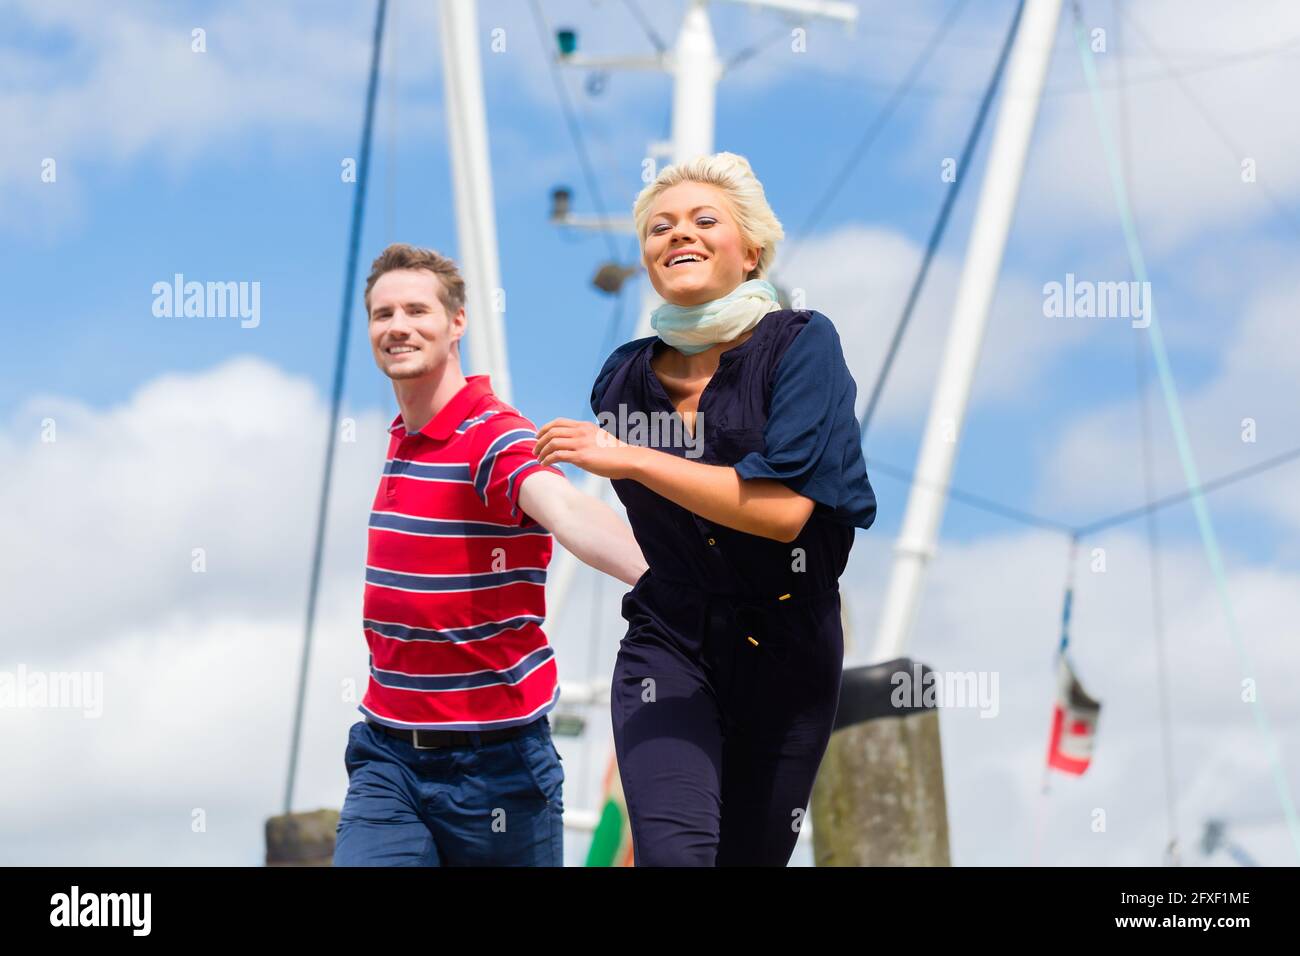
{"x": 436, "y": 739}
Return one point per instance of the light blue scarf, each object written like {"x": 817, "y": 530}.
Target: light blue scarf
{"x": 694, "y": 328}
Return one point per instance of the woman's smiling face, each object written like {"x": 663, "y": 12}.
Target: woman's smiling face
{"x": 693, "y": 249}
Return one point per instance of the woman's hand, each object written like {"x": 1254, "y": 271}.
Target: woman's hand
{"x": 760, "y": 506}
{"x": 584, "y": 444}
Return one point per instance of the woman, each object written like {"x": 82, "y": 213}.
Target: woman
{"x": 727, "y": 680}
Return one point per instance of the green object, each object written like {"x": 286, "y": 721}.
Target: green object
{"x": 568, "y": 41}
{"x": 608, "y": 837}
{"x": 611, "y": 841}
{"x": 567, "y": 725}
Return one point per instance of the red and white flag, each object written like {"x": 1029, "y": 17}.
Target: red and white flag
{"x": 1074, "y": 724}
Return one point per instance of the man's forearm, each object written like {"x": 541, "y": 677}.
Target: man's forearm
{"x": 597, "y": 536}
{"x": 717, "y": 493}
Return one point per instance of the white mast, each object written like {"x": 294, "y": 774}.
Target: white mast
{"x": 696, "y": 71}
{"x": 1022, "y": 91}
{"x": 471, "y": 174}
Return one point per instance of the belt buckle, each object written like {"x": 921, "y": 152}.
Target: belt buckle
{"x": 415, "y": 742}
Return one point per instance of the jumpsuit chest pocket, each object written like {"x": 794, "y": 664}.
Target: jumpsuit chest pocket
{"x": 726, "y": 446}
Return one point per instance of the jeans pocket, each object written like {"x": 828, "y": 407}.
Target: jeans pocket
{"x": 541, "y": 761}
{"x": 350, "y": 751}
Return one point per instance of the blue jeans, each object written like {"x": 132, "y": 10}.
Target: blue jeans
{"x": 495, "y": 804}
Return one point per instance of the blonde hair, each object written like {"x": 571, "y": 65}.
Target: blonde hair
{"x": 757, "y": 224}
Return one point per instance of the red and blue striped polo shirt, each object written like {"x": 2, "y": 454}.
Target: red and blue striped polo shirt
{"x": 456, "y": 572}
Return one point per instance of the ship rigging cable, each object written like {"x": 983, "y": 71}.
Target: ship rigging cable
{"x": 336, "y": 395}
{"x": 1186, "y": 459}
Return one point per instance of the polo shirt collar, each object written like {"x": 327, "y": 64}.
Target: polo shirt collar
{"x": 442, "y": 425}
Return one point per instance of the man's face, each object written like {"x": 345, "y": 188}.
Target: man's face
{"x": 411, "y": 333}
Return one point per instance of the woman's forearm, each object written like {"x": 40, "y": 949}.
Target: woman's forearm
{"x": 717, "y": 493}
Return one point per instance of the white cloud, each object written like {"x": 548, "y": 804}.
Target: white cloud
{"x": 132, "y": 89}
{"x": 994, "y": 605}
{"x": 226, "y": 461}
{"x": 1186, "y": 181}
{"x": 859, "y": 276}
{"x": 1253, "y": 377}
{"x": 199, "y": 668}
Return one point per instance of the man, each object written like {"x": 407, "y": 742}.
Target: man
{"x": 454, "y": 763}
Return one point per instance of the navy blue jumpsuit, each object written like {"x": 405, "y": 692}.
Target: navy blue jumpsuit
{"x": 727, "y": 681}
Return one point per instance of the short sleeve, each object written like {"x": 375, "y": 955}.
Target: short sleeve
{"x": 505, "y": 461}
{"x": 812, "y": 442}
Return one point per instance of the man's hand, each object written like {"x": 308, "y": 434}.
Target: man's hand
{"x": 584, "y": 444}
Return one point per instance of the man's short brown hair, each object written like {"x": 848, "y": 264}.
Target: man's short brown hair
{"x": 400, "y": 255}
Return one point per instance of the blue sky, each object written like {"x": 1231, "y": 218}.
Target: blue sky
{"x": 262, "y": 200}
{"x": 225, "y": 166}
